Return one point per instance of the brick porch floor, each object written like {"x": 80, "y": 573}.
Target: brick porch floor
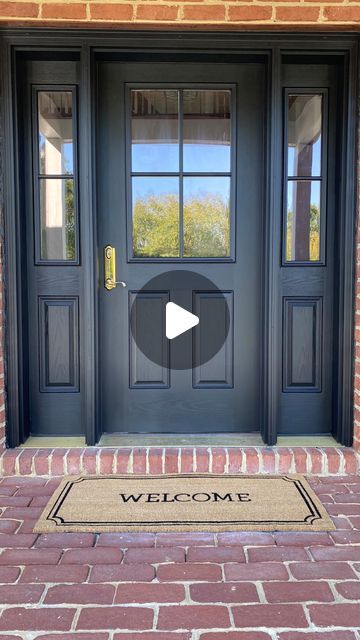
{"x": 230, "y": 586}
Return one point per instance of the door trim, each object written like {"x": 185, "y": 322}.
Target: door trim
{"x": 341, "y": 48}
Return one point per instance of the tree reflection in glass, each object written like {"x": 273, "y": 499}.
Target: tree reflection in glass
{"x": 207, "y": 217}
{"x": 303, "y": 221}
{"x": 155, "y": 217}
{"x": 180, "y": 173}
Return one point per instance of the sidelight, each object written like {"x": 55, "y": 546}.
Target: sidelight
{"x": 305, "y": 178}
{"x": 55, "y": 186}
{"x": 181, "y": 169}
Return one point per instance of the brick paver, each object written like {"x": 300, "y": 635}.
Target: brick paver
{"x": 187, "y": 586}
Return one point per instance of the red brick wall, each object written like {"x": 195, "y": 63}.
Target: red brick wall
{"x": 285, "y": 14}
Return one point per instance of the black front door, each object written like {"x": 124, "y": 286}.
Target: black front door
{"x": 180, "y": 172}
{"x": 180, "y": 163}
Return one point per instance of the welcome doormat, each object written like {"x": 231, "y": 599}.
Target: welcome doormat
{"x": 184, "y": 503}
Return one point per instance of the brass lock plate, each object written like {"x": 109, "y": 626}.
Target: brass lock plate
{"x": 109, "y": 267}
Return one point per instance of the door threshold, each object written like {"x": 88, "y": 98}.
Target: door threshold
{"x": 211, "y": 440}
{"x": 118, "y": 440}
{"x": 53, "y": 442}
{"x": 181, "y": 440}
{"x": 307, "y": 441}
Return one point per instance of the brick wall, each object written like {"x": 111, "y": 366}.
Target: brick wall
{"x": 284, "y": 13}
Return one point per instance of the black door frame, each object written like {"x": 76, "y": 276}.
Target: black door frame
{"x": 341, "y": 48}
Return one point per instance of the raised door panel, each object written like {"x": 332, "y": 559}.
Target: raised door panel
{"x": 302, "y": 354}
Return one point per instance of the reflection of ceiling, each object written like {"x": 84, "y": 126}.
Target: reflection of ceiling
{"x": 196, "y": 131}
{"x": 56, "y": 128}
{"x": 304, "y": 120}
{"x": 165, "y": 103}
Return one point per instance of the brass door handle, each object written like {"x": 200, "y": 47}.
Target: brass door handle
{"x": 110, "y": 281}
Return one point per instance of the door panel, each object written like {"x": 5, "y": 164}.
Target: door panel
{"x": 218, "y": 372}
{"x": 48, "y": 137}
{"x": 307, "y": 272}
{"x": 222, "y": 394}
{"x": 302, "y": 344}
{"x": 148, "y": 318}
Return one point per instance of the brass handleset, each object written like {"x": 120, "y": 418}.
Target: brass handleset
{"x": 110, "y": 281}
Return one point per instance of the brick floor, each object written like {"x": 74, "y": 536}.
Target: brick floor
{"x": 187, "y": 586}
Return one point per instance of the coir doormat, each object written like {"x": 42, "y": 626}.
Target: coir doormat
{"x": 183, "y": 503}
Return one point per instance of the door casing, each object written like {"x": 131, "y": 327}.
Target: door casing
{"x": 340, "y": 49}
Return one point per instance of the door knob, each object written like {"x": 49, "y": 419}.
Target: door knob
{"x": 110, "y": 281}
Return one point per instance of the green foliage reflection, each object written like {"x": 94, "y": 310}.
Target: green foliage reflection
{"x": 313, "y": 235}
{"x": 206, "y": 222}
{"x": 70, "y": 219}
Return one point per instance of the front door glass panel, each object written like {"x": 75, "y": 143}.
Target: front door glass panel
{"x": 206, "y": 212}
{"x": 207, "y": 130}
{"x": 155, "y": 215}
{"x": 155, "y": 130}
{"x": 181, "y": 170}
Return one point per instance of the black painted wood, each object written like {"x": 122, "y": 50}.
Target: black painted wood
{"x": 302, "y": 344}
{"x": 226, "y": 396}
{"x": 59, "y": 344}
{"x": 217, "y": 373}
{"x": 148, "y": 319}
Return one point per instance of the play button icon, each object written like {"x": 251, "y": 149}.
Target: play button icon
{"x": 167, "y": 306}
{"x": 178, "y": 320}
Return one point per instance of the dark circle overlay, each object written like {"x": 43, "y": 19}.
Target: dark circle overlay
{"x": 148, "y": 319}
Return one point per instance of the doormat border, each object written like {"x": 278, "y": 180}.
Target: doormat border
{"x": 317, "y": 520}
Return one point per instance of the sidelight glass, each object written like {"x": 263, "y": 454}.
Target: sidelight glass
{"x": 155, "y": 217}
{"x": 57, "y": 216}
{"x": 155, "y": 130}
{"x": 207, "y": 130}
{"x": 207, "y": 217}
{"x": 304, "y": 135}
{"x": 55, "y": 185}
{"x": 303, "y": 221}
{"x": 304, "y": 207}
{"x": 55, "y": 132}
{"x": 180, "y": 150}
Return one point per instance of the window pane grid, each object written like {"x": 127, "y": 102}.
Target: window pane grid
{"x": 55, "y": 180}
{"x": 55, "y": 176}
{"x": 304, "y": 177}
{"x": 205, "y": 211}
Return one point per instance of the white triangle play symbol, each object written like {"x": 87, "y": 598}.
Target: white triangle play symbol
{"x": 178, "y": 320}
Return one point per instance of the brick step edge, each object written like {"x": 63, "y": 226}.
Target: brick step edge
{"x": 326, "y": 461}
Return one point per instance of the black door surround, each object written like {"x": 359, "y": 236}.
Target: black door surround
{"x": 84, "y": 47}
